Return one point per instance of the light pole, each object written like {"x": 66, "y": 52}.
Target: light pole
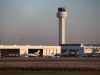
{"x": 21, "y": 41}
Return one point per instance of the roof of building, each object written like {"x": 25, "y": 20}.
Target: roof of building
{"x": 91, "y": 44}
{"x": 70, "y": 45}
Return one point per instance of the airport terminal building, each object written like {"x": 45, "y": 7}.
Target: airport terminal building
{"x": 49, "y": 51}
{"x": 46, "y": 51}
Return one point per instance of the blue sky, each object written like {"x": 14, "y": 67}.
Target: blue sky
{"x": 36, "y": 23}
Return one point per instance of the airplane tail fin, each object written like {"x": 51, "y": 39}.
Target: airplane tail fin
{"x": 37, "y": 53}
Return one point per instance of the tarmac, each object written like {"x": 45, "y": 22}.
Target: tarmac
{"x": 44, "y": 63}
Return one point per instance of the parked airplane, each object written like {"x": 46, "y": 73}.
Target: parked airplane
{"x": 61, "y": 55}
{"x": 34, "y": 54}
{"x": 70, "y": 53}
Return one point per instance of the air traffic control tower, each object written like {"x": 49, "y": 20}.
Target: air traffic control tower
{"x": 61, "y": 14}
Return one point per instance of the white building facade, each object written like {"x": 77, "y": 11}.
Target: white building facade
{"x": 21, "y": 50}
{"x": 91, "y": 49}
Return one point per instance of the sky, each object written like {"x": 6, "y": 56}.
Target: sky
{"x": 34, "y": 22}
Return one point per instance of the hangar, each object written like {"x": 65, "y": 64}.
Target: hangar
{"x": 28, "y": 50}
